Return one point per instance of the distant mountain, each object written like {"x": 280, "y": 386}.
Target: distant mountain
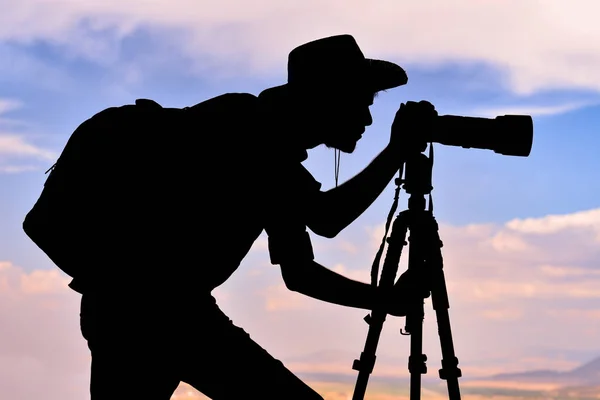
{"x": 341, "y": 370}
{"x": 586, "y": 374}
{"x": 589, "y": 371}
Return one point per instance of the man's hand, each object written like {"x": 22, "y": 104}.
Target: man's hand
{"x": 408, "y": 287}
{"x": 412, "y": 127}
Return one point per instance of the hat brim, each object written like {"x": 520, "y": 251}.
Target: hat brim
{"x": 384, "y": 75}
{"x": 380, "y": 75}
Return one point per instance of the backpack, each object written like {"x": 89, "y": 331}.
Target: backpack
{"x": 86, "y": 174}
{"x": 143, "y": 158}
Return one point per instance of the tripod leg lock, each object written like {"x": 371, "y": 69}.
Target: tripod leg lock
{"x": 450, "y": 369}
{"x": 416, "y": 364}
{"x": 365, "y": 364}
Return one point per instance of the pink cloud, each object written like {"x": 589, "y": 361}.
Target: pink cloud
{"x": 502, "y": 281}
{"x": 506, "y": 301}
{"x": 42, "y": 354}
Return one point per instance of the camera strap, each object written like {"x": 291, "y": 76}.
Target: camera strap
{"x": 377, "y": 259}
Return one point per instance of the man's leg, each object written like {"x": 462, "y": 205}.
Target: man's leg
{"x": 128, "y": 361}
{"x": 224, "y": 363}
{"x": 115, "y": 375}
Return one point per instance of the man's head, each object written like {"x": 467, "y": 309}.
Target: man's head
{"x": 330, "y": 88}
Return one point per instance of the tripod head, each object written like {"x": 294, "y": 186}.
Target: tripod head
{"x": 417, "y": 175}
{"x": 417, "y": 181}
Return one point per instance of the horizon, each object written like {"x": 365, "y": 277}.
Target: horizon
{"x": 521, "y": 234}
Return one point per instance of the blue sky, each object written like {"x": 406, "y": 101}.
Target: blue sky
{"x": 521, "y": 234}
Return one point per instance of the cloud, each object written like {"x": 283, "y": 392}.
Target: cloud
{"x": 187, "y": 392}
{"x": 503, "y": 314}
{"x": 14, "y": 169}
{"x": 560, "y": 271}
{"x": 509, "y": 286}
{"x": 12, "y": 145}
{"x": 261, "y": 244}
{"x": 15, "y": 147}
{"x": 554, "y": 257}
{"x": 556, "y": 223}
{"x": 20, "y": 66}
{"x": 7, "y": 105}
{"x": 42, "y": 354}
{"x": 280, "y": 298}
{"x": 549, "y": 46}
{"x": 533, "y": 110}
{"x": 519, "y": 259}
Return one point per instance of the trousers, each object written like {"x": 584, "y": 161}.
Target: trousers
{"x": 142, "y": 348}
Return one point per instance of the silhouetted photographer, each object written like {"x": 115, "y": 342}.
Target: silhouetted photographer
{"x": 150, "y": 208}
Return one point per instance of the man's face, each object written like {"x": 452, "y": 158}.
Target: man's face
{"x": 341, "y": 119}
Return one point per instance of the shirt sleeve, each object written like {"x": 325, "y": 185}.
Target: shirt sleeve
{"x": 290, "y": 193}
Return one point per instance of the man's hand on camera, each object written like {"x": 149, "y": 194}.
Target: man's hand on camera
{"x": 412, "y": 127}
{"x": 406, "y": 289}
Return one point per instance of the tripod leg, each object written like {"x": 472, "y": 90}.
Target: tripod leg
{"x": 365, "y": 364}
{"x": 417, "y": 360}
{"x": 416, "y": 314}
{"x": 439, "y": 297}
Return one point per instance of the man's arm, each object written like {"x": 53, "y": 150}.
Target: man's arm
{"x": 290, "y": 248}
{"x": 339, "y": 207}
{"x": 285, "y": 211}
{"x": 316, "y": 281}
{"x": 292, "y": 251}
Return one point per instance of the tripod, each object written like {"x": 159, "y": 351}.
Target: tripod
{"x": 425, "y": 260}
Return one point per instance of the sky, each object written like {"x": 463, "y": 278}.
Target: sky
{"x": 521, "y": 235}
